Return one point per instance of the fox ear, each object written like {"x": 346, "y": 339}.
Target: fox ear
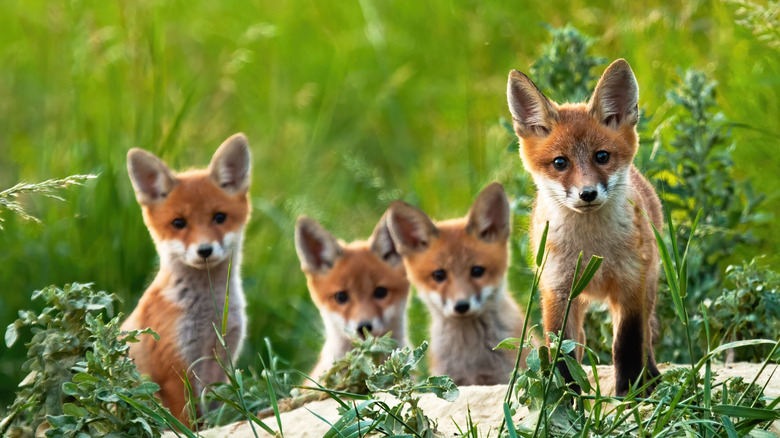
{"x": 488, "y": 219}
{"x": 381, "y": 243}
{"x": 615, "y": 100}
{"x": 151, "y": 178}
{"x": 230, "y": 165}
{"x": 316, "y": 247}
{"x": 411, "y": 229}
{"x": 533, "y": 114}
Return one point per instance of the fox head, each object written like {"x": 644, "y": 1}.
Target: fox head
{"x": 458, "y": 266}
{"x": 357, "y": 286}
{"x": 195, "y": 217}
{"x": 579, "y": 154}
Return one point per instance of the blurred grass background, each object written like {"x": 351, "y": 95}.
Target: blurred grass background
{"x": 347, "y": 106}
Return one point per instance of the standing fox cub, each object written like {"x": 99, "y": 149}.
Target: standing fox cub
{"x": 459, "y": 269}
{"x": 196, "y": 219}
{"x": 580, "y": 156}
{"x": 357, "y": 286}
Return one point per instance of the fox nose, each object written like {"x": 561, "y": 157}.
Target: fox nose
{"x": 205, "y": 250}
{"x": 462, "y": 306}
{"x": 588, "y": 194}
{"x": 364, "y": 326}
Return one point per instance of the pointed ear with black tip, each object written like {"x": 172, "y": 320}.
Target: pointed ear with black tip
{"x": 488, "y": 219}
{"x": 411, "y": 229}
{"x": 533, "y": 114}
{"x": 381, "y": 243}
{"x": 317, "y": 249}
{"x": 230, "y": 165}
{"x": 615, "y": 100}
{"x": 152, "y": 180}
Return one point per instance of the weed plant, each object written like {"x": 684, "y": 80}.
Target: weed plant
{"x": 80, "y": 375}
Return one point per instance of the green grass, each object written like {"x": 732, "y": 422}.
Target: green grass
{"x": 347, "y": 105}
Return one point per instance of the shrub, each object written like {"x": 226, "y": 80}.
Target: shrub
{"x": 79, "y": 370}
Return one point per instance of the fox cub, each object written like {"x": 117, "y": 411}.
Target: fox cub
{"x": 357, "y": 286}
{"x": 580, "y": 156}
{"x": 196, "y": 219}
{"x": 459, "y": 269}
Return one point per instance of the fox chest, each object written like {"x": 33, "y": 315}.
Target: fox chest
{"x": 201, "y": 311}
{"x": 615, "y": 238}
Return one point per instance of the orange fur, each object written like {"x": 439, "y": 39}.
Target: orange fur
{"x": 459, "y": 270}
{"x": 187, "y": 214}
{"x": 370, "y": 279}
{"x": 592, "y": 196}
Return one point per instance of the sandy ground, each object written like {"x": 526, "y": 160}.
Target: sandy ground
{"x": 485, "y": 403}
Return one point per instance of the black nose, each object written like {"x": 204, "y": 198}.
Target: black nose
{"x": 364, "y": 326}
{"x": 462, "y": 306}
{"x": 588, "y": 194}
{"x": 205, "y": 250}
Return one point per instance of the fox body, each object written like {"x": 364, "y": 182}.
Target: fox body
{"x": 360, "y": 286}
{"x": 581, "y": 158}
{"x": 196, "y": 219}
{"x": 459, "y": 269}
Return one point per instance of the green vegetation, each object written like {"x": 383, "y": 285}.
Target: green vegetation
{"x": 79, "y": 370}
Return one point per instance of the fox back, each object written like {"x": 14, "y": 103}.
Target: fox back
{"x": 581, "y": 159}
{"x": 358, "y": 287}
{"x": 459, "y": 270}
{"x": 196, "y": 219}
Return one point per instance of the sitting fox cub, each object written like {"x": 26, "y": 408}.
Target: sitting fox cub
{"x": 357, "y": 286}
{"x": 459, "y": 269}
{"x": 580, "y": 156}
{"x": 196, "y": 220}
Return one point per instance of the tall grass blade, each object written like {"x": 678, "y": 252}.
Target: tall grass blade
{"x": 587, "y": 275}
{"x": 271, "y": 393}
{"x": 746, "y": 412}
{"x": 672, "y": 235}
{"x": 510, "y": 423}
{"x": 542, "y": 243}
{"x": 227, "y": 298}
{"x": 164, "y": 416}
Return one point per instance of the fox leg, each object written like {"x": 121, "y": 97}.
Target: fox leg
{"x": 553, "y": 310}
{"x": 632, "y": 346}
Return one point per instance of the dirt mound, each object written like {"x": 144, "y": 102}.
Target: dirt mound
{"x": 484, "y": 402}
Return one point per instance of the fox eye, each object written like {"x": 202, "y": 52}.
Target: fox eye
{"x": 439, "y": 275}
{"x": 477, "y": 271}
{"x": 179, "y": 223}
{"x": 601, "y": 157}
{"x": 380, "y": 292}
{"x": 220, "y": 218}
{"x": 560, "y": 163}
{"x": 341, "y": 297}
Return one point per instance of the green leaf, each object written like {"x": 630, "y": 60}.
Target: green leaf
{"x": 577, "y": 373}
{"x": 533, "y": 361}
{"x": 11, "y": 334}
{"x": 71, "y": 388}
{"x": 509, "y": 344}
{"x": 74, "y": 411}
{"x": 84, "y": 377}
{"x": 146, "y": 388}
{"x": 442, "y": 386}
{"x": 567, "y": 346}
